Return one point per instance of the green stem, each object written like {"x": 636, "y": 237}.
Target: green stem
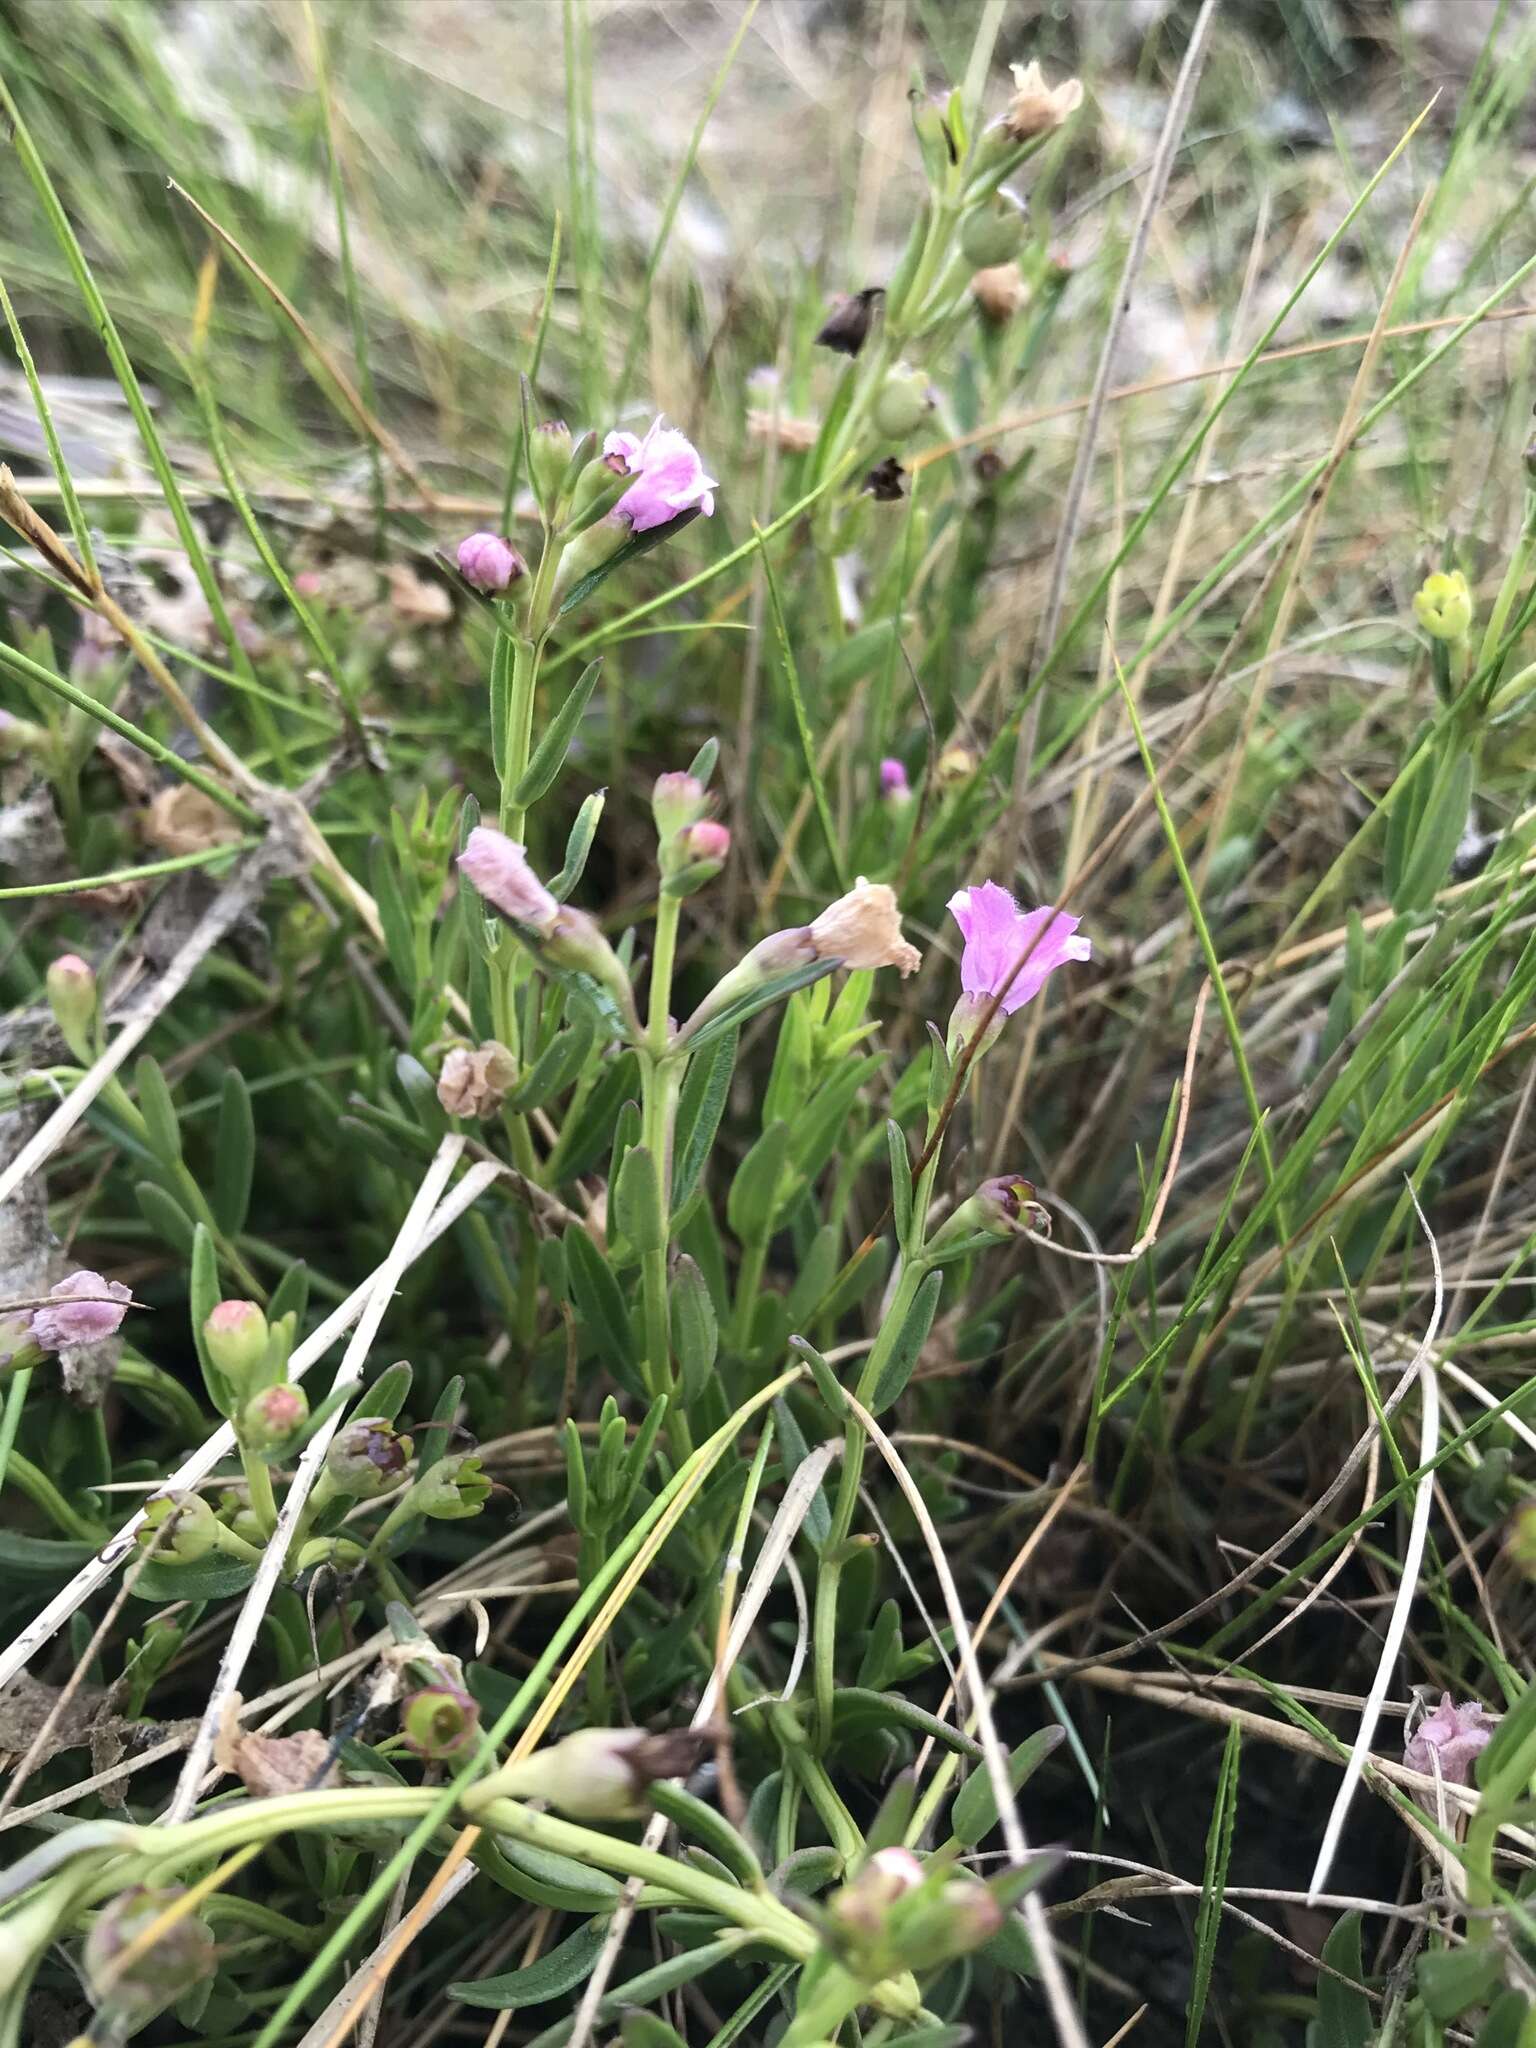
{"x": 10, "y": 1422}
{"x": 258, "y": 1480}
{"x": 519, "y": 734}
{"x": 42, "y": 1493}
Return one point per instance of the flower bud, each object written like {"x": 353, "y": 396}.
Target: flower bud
{"x": 498, "y": 867}
{"x": 894, "y": 785}
{"x": 236, "y": 1336}
{"x": 935, "y": 138}
{"x": 780, "y": 953}
{"x": 677, "y": 801}
{"x": 179, "y": 1958}
{"x": 709, "y": 840}
{"x": 694, "y": 856}
{"x": 456, "y": 1488}
{"x": 1443, "y": 606}
{"x": 489, "y": 563}
{"x": 366, "y": 1455}
{"x": 272, "y": 1419}
{"x": 72, "y": 998}
{"x": 439, "y": 1722}
{"x": 960, "y": 1916}
{"x": 994, "y": 231}
{"x": 83, "y": 1309}
{"x": 474, "y": 1082}
{"x": 19, "y": 736}
{"x": 1006, "y": 1206}
{"x": 846, "y": 327}
{"x": 862, "y": 1908}
{"x": 902, "y": 403}
{"x": 548, "y": 454}
{"x": 195, "y": 1532}
{"x": 1520, "y": 1540}
{"x": 955, "y": 765}
{"x": 599, "y": 1773}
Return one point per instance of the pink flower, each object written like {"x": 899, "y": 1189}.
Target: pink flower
{"x": 489, "y": 563}
{"x": 1452, "y": 1737}
{"x": 88, "y": 1309}
{"x": 499, "y": 869}
{"x": 998, "y": 935}
{"x": 893, "y": 778}
{"x": 669, "y": 476}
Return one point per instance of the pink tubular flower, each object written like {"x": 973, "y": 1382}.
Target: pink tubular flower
{"x": 1452, "y": 1737}
{"x": 998, "y": 935}
{"x": 499, "y": 869}
{"x": 669, "y": 476}
{"x": 489, "y": 562}
{"x": 87, "y": 1308}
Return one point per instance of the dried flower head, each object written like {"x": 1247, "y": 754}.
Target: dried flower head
{"x": 82, "y": 1309}
{"x": 366, "y": 1455}
{"x": 883, "y": 482}
{"x": 1450, "y": 1740}
{"x": 792, "y": 435}
{"x": 270, "y": 1766}
{"x": 182, "y": 820}
{"x": 130, "y": 1993}
{"x": 846, "y": 327}
{"x": 1037, "y": 108}
{"x": 999, "y": 290}
{"x": 475, "y": 1080}
{"x": 863, "y": 929}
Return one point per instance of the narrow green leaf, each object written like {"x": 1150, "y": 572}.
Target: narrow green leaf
{"x": 556, "y": 1067}
{"x": 1218, "y": 1855}
{"x": 754, "y": 1197}
{"x": 235, "y": 1157}
{"x": 578, "y": 845}
{"x": 699, "y": 1110}
{"x": 399, "y": 940}
{"x": 1343, "y": 2011}
{"x": 165, "y": 1214}
{"x": 761, "y": 998}
{"x": 802, "y": 722}
{"x": 637, "y": 1205}
{"x": 901, "y": 1179}
{"x": 695, "y": 1327}
{"x": 159, "y": 1113}
{"x": 708, "y": 1827}
{"x": 551, "y": 1976}
{"x": 974, "y": 1814}
{"x": 1451, "y": 1979}
{"x": 908, "y": 1346}
{"x": 600, "y": 1305}
{"x": 549, "y": 755}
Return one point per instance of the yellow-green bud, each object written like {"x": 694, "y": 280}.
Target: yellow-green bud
{"x": 72, "y": 998}
{"x": 993, "y": 232}
{"x": 456, "y": 1488}
{"x": 548, "y": 453}
{"x": 196, "y": 1530}
{"x": 1443, "y": 605}
{"x": 597, "y": 1773}
{"x": 902, "y": 403}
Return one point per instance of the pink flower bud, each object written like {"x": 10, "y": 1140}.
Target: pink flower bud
{"x": 489, "y": 563}
{"x": 274, "y": 1417}
{"x": 677, "y": 801}
{"x": 236, "y": 1336}
{"x": 82, "y": 1310}
{"x": 893, "y": 778}
{"x": 708, "y": 840}
{"x": 72, "y": 998}
{"x": 498, "y": 867}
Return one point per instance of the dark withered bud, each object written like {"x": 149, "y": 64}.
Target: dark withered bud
{"x": 128, "y": 1994}
{"x": 884, "y": 481}
{"x": 846, "y": 328}
{"x": 597, "y": 1773}
{"x": 366, "y": 1455}
{"x": 988, "y": 466}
